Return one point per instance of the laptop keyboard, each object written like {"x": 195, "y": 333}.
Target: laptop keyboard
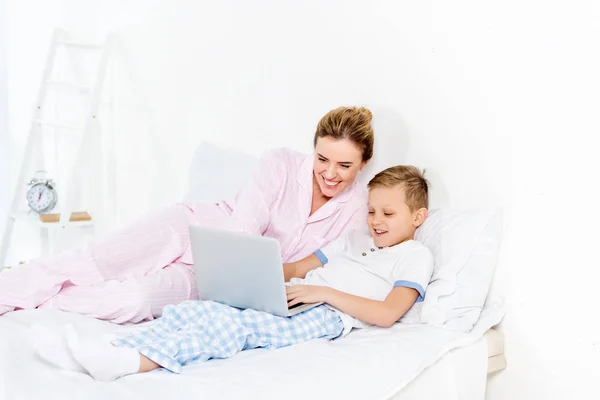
{"x": 295, "y": 306}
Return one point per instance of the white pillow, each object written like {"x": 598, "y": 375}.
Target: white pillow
{"x": 217, "y": 173}
{"x": 465, "y": 246}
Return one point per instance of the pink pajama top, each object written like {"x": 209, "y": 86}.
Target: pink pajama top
{"x": 277, "y": 204}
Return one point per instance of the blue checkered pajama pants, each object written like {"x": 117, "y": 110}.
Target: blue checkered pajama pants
{"x": 196, "y": 331}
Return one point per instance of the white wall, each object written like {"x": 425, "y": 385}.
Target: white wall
{"x": 551, "y": 102}
{"x": 498, "y": 100}
{"x": 4, "y": 142}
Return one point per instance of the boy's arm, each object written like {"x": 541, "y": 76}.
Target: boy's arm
{"x": 381, "y": 313}
{"x": 300, "y": 268}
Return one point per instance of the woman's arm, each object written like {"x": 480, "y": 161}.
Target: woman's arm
{"x": 252, "y": 203}
{"x": 381, "y": 313}
{"x": 300, "y": 268}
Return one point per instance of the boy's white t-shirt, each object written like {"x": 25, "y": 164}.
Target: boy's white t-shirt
{"x": 354, "y": 265}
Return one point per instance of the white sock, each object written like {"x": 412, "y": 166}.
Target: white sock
{"x": 52, "y": 347}
{"x": 102, "y": 360}
{"x": 5, "y": 309}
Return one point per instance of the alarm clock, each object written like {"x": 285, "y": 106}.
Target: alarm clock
{"x": 41, "y": 195}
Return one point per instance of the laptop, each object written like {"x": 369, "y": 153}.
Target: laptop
{"x": 241, "y": 270}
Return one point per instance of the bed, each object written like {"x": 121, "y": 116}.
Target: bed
{"x": 404, "y": 362}
{"x": 443, "y": 348}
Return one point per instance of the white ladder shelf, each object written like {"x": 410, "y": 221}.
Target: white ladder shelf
{"x": 35, "y": 142}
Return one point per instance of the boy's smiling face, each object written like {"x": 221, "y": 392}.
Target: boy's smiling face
{"x": 390, "y": 219}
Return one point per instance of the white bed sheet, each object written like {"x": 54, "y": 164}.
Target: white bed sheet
{"x": 368, "y": 364}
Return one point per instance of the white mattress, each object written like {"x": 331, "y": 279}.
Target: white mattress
{"x": 367, "y": 364}
{"x": 458, "y": 375}
{"x": 495, "y": 351}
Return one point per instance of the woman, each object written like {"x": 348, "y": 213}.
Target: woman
{"x": 303, "y": 201}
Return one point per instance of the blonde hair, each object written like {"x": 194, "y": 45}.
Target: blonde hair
{"x": 416, "y": 187}
{"x": 349, "y": 123}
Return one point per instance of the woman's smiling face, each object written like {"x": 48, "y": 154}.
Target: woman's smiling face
{"x": 337, "y": 162}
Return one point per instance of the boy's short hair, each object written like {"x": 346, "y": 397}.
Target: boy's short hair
{"x": 416, "y": 187}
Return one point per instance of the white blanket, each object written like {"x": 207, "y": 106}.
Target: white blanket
{"x": 371, "y": 363}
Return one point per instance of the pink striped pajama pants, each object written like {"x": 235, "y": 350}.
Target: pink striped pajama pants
{"x": 128, "y": 277}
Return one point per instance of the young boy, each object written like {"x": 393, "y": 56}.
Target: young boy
{"x": 364, "y": 277}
